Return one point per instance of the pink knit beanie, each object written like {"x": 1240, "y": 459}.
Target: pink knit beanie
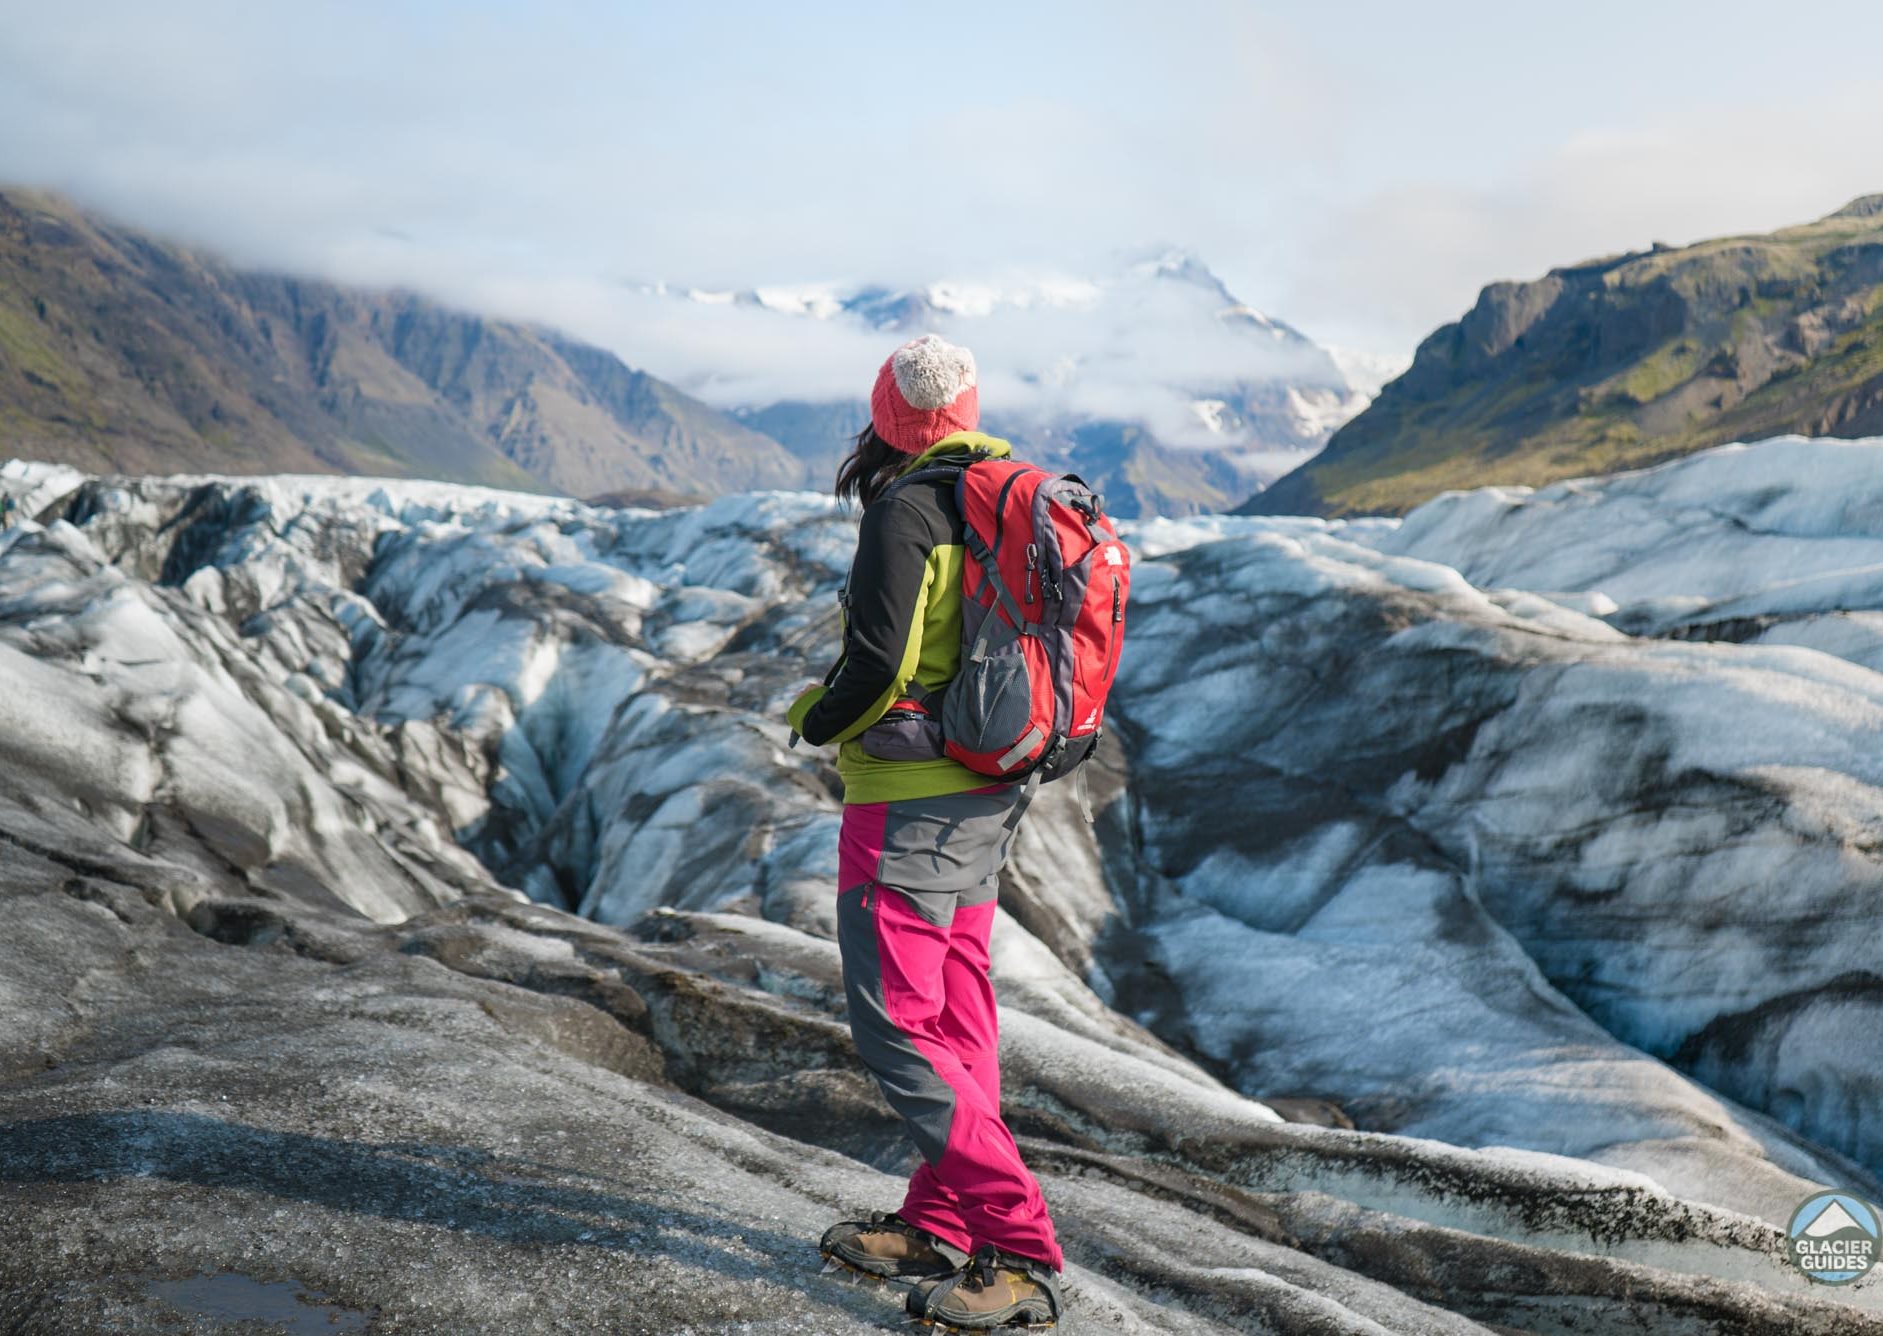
{"x": 925, "y": 391}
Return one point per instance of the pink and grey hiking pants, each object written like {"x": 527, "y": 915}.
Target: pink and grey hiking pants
{"x": 915, "y": 907}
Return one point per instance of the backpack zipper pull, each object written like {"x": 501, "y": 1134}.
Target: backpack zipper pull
{"x": 1032, "y": 564}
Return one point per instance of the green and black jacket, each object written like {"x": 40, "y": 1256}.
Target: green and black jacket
{"x": 902, "y": 624}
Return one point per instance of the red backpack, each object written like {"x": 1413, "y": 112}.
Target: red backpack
{"x": 1042, "y": 620}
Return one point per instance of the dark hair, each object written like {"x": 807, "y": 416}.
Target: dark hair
{"x": 869, "y": 468}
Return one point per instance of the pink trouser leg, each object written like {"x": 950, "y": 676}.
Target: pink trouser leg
{"x": 970, "y": 1024}
{"x": 922, "y": 1010}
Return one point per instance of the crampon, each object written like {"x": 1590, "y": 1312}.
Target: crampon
{"x": 884, "y": 1246}
{"x": 994, "y": 1291}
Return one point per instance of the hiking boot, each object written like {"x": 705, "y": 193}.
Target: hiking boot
{"x": 890, "y": 1248}
{"x": 995, "y": 1289}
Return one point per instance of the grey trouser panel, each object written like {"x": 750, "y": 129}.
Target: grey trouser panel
{"x": 938, "y": 854}
{"x": 948, "y": 851}
{"x": 907, "y": 1079}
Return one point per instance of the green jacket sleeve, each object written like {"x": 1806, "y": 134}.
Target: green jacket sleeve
{"x": 802, "y": 705}
{"x": 883, "y": 628}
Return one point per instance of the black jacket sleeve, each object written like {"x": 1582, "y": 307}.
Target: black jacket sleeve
{"x": 882, "y": 624}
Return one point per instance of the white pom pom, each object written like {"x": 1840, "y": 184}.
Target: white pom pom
{"x": 932, "y": 372}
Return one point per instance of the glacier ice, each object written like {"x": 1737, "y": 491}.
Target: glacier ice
{"x": 1529, "y": 835}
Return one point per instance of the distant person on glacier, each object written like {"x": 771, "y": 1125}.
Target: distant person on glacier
{"x": 6, "y": 511}
{"x": 920, "y": 851}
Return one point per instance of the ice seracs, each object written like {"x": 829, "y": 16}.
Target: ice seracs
{"x": 1444, "y": 856}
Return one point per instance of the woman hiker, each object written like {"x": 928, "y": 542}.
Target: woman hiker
{"x": 920, "y": 850}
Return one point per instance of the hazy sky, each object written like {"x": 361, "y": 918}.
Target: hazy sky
{"x": 1359, "y": 169}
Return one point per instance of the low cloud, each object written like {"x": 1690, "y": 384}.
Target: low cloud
{"x": 594, "y": 141}
{"x": 1140, "y": 348}
{"x": 1360, "y": 170}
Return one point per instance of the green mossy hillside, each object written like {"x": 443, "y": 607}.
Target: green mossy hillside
{"x": 1619, "y": 363}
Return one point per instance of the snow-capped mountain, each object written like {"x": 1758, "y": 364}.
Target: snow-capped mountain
{"x": 1117, "y": 375}
{"x": 1420, "y": 973}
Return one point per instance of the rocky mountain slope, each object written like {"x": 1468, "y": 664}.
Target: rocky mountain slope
{"x": 1438, "y": 963}
{"x": 122, "y": 352}
{"x": 1622, "y": 362}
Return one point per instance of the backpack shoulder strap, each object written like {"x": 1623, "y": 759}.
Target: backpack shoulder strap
{"x": 928, "y": 473}
{"x": 948, "y": 473}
